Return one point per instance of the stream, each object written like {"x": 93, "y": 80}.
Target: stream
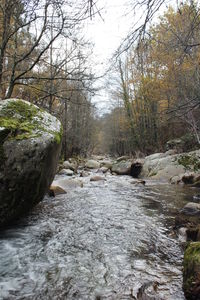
{"x": 102, "y": 241}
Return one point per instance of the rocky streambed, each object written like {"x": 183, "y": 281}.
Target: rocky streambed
{"x": 105, "y": 239}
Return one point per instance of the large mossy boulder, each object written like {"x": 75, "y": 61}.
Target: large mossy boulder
{"x": 191, "y": 272}
{"x": 168, "y": 167}
{"x": 30, "y": 142}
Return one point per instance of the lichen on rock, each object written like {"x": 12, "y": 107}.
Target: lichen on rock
{"x": 30, "y": 142}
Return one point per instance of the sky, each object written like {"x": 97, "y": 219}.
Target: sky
{"x": 106, "y": 33}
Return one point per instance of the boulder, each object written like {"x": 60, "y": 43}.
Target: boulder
{"x": 122, "y": 168}
{"x": 30, "y": 142}
{"x": 162, "y": 166}
{"x": 68, "y": 184}
{"x": 191, "y": 271}
{"x": 92, "y": 164}
{"x": 69, "y": 165}
{"x": 97, "y": 178}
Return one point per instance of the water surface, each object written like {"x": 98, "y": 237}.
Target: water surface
{"x": 102, "y": 241}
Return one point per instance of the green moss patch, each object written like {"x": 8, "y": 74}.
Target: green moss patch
{"x": 23, "y": 120}
{"x": 190, "y": 162}
{"x": 191, "y": 271}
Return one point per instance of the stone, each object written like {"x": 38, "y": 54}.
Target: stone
{"x": 92, "y": 164}
{"x": 55, "y": 190}
{"x": 160, "y": 166}
{"x": 122, "y": 168}
{"x": 30, "y": 142}
{"x": 138, "y": 182}
{"x": 104, "y": 169}
{"x": 191, "y": 271}
{"x": 106, "y": 163}
{"x": 136, "y": 169}
{"x": 97, "y": 178}
{"x": 66, "y": 172}
{"x": 191, "y": 209}
{"x": 84, "y": 174}
{"x": 68, "y": 184}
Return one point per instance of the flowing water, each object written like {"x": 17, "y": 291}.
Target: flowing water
{"x": 102, "y": 241}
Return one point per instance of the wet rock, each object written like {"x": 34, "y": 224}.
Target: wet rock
{"x": 193, "y": 233}
{"x": 92, "y": 164}
{"x": 69, "y": 165}
{"x": 191, "y": 272}
{"x": 106, "y": 164}
{"x": 196, "y": 184}
{"x": 136, "y": 169}
{"x": 122, "y": 168}
{"x": 84, "y": 174}
{"x": 188, "y": 178}
{"x": 30, "y": 141}
{"x": 67, "y": 184}
{"x": 148, "y": 291}
{"x": 191, "y": 209}
{"x": 138, "y": 182}
{"x": 175, "y": 179}
{"x": 104, "y": 169}
{"x": 97, "y": 178}
{"x": 55, "y": 190}
{"x": 66, "y": 172}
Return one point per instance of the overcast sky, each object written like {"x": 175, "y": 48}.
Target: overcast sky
{"x": 106, "y": 33}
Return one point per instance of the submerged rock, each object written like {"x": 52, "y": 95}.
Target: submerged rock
{"x": 67, "y": 184}
{"x": 66, "y": 172}
{"x": 30, "y": 141}
{"x": 97, "y": 178}
{"x": 191, "y": 272}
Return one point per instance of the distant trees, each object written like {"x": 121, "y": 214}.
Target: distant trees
{"x": 44, "y": 59}
{"x": 158, "y": 80}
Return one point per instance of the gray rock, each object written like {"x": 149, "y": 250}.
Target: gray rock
{"x": 104, "y": 169}
{"x": 84, "y": 174}
{"x": 30, "y": 141}
{"x": 163, "y": 166}
{"x": 122, "y": 168}
{"x": 191, "y": 209}
{"x": 92, "y": 164}
{"x": 106, "y": 163}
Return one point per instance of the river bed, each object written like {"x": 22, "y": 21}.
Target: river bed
{"x": 102, "y": 241}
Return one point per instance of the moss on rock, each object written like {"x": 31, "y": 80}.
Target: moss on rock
{"x": 190, "y": 162}
{"x": 191, "y": 272}
{"x": 24, "y": 120}
{"x": 30, "y": 142}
